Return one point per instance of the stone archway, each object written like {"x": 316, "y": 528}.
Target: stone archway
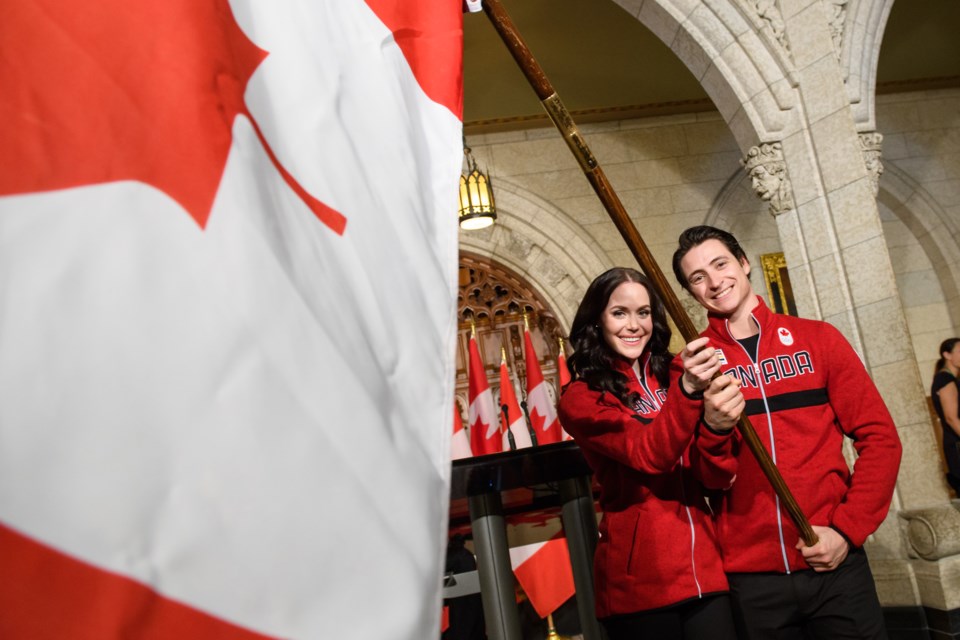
{"x": 739, "y": 53}
{"x": 857, "y": 27}
{"x": 498, "y": 305}
{"x": 936, "y": 231}
{"x": 541, "y": 244}
{"x": 931, "y": 315}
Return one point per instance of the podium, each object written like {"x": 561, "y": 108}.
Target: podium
{"x": 482, "y": 481}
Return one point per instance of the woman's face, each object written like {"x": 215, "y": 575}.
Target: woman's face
{"x": 953, "y": 356}
{"x": 626, "y": 321}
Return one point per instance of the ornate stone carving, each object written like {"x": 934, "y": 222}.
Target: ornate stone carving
{"x": 495, "y": 300}
{"x": 488, "y": 293}
{"x": 871, "y": 144}
{"x": 517, "y": 245}
{"x": 768, "y": 176}
{"x": 837, "y": 17}
{"x": 770, "y": 15}
{"x": 933, "y": 532}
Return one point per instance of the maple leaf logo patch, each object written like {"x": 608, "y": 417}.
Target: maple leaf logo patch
{"x": 144, "y": 91}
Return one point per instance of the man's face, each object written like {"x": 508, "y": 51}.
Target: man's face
{"x": 716, "y": 279}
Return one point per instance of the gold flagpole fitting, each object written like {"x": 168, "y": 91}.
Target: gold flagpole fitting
{"x": 551, "y": 629}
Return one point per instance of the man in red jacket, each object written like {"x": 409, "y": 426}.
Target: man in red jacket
{"x": 805, "y": 389}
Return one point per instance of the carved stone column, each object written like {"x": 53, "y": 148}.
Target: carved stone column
{"x": 837, "y": 15}
{"x": 841, "y": 272}
{"x": 871, "y": 144}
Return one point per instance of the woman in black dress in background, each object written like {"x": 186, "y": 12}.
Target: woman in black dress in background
{"x": 944, "y": 393}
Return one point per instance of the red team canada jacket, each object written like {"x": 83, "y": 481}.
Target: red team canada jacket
{"x": 807, "y": 390}
{"x": 657, "y": 542}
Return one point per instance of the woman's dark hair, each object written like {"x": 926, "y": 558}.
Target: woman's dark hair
{"x": 945, "y": 347}
{"x": 592, "y": 359}
{"x": 695, "y": 236}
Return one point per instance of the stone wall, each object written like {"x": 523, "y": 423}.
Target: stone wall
{"x": 920, "y": 209}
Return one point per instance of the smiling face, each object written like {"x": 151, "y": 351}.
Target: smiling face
{"x": 717, "y": 280}
{"x": 626, "y": 321}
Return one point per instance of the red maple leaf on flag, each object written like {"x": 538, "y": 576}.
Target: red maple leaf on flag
{"x": 537, "y": 421}
{"x": 427, "y": 57}
{"x": 481, "y": 426}
{"x": 119, "y": 90}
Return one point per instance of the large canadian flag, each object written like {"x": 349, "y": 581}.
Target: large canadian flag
{"x": 227, "y": 316}
{"x": 484, "y": 421}
{"x": 543, "y": 413}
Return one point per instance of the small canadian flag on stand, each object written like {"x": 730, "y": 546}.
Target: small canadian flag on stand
{"x": 543, "y": 570}
{"x": 460, "y": 443}
{"x": 543, "y": 414}
{"x": 484, "y": 425}
{"x": 510, "y": 415}
{"x": 562, "y": 370}
{"x": 564, "y": 374}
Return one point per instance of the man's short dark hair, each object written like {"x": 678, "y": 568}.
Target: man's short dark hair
{"x": 695, "y": 236}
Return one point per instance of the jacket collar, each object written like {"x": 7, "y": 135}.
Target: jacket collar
{"x": 762, "y": 313}
{"x": 624, "y": 367}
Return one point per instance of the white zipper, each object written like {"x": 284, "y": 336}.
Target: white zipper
{"x": 683, "y": 491}
{"x": 693, "y": 532}
{"x": 773, "y": 446}
{"x": 643, "y": 384}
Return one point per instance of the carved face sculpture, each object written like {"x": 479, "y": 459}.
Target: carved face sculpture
{"x": 766, "y": 184}
{"x": 874, "y": 164}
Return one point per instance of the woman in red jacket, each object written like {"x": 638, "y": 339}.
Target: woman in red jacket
{"x": 657, "y": 568}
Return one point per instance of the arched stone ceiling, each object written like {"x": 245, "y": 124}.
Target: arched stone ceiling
{"x": 608, "y": 67}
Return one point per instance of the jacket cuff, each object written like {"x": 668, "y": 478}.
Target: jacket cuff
{"x": 696, "y": 395}
{"x": 849, "y": 533}
{"x": 844, "y": 536}
{"x": 712, "y": 442}
{"x": 722, "y": 434}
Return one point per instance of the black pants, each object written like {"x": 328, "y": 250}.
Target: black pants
{"x": 805, "y": 605}
{"x": 708, "y": 618}
{"x": 951, "y": 453}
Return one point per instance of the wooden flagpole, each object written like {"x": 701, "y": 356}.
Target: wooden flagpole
{"x": 591, "y": 168}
